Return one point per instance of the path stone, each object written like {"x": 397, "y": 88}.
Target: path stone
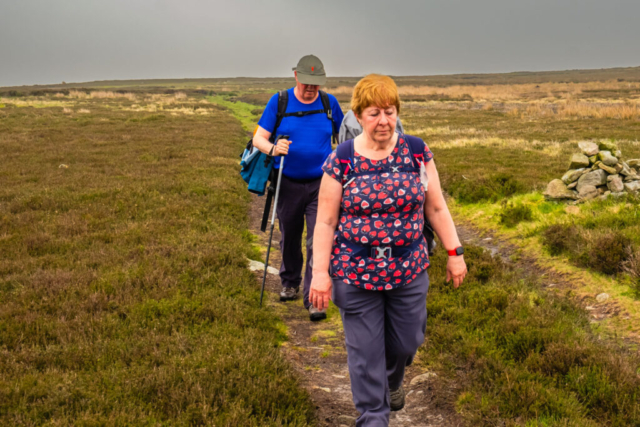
{"x": 572, "y": 210}
{"x": 588, "y": 148}
{"x": 259, "y": 266}
{"x": 421, "y": 379}
{"x": 602, "y": 297}
{"x": 346, "y": 420}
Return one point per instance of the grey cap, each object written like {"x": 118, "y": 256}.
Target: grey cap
{"x": 311, "y": 71}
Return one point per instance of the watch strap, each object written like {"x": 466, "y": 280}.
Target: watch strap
{"x": 456, "y": 251}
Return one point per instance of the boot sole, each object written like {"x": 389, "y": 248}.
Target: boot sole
{"x": 287, "y": 298}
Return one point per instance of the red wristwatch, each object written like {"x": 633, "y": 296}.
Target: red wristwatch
{"x": 456, "y": 252}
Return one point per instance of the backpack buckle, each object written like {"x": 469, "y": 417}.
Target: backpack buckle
{"x": 381, "y": 252}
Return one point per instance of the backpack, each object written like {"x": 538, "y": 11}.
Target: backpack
{"x": 345, "y": 154}
{"x": 257, "y": 167}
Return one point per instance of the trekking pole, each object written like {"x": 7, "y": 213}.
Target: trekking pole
{"x": 273, "y": 218}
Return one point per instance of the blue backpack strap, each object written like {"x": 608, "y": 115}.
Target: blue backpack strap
{"x": 416, "y": 149}
{"x": 345, "y": 153}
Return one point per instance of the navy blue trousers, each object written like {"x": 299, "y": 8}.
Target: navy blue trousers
{"x": 383, "y": 330}
{"x": 297, "y": 200}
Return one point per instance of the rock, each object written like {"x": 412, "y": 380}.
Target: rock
{"x": 607, "y": 169}
{"x": 593, "y": 159}
{"x": 572, "y": 175}
{"x": 607, "y": 158}
{"x": 557, "y": 190}
{"x": 608, "y": 146}
{"x": 346, "y": 420}
{"x": 618, "y": 195}
{"x": 626, "y": 170}
{"x": 618, "y": 167}
{"x": 595, "y": 178}
{"x": 607, "y": 193}
{"x": 632, "y": 186}
{"x": 572, "y": 210}
{"x": 634, "y": 163}
{"x": 588, "y": 148}
{"x": 617, "y": 153}
{"x": 259, "y": 266}
{"x": 579, "y": 161}
{"x": 325, "y": 389}
{"x": 421, "y": 379}
{"x": 587, "y": 192}
{"x": 572, "y": 185}
{"x": 631, "y": 178}
{"x": 602, "y": 297}
{"x": 602, "y": 189}
{"x": 615, "y": 183}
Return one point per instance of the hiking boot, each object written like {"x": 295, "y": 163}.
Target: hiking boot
{"x": 315, "y": 314}
{"x": 397, "y": 398}
{"x": 288, "y": 294}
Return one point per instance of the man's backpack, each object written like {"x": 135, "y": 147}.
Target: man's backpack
{"x": 345, "y": 154}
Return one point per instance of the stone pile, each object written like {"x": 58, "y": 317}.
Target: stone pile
{"x": 597, "y": 172}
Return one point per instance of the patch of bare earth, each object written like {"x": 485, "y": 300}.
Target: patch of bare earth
{"x": 317, "y": 352}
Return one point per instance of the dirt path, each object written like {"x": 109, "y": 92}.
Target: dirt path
{"x": 317, "y": 352}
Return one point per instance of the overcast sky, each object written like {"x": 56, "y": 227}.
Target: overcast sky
{"x": 49, "y": 41}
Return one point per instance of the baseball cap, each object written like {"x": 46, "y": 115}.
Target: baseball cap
{"x": 311, "y": 71}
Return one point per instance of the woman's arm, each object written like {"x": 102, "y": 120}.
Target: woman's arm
{"x": 436, "y": 210}
{"x": 329, "y": 200}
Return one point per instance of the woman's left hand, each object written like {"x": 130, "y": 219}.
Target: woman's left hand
{"x": 456, "y": 270}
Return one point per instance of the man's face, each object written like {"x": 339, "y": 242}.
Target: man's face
{"x": 308, "y": 92}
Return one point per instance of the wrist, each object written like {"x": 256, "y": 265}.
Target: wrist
{"x": 320, "y": 272}
{"x": 457, "y": 251}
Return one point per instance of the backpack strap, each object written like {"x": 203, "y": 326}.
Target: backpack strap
{"x": 326, "y": 104}
{"x": 283, "y": 100}
{"x": 416, "y": 149}
{"x": 345, "y": 153}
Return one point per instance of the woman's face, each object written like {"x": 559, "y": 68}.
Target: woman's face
{"x": 379, "y": 123}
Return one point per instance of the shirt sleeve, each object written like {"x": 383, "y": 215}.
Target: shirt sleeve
{"x": 428, "y": 155}
{"x": 332, "y": 167}
{"x": 268, "y": 119}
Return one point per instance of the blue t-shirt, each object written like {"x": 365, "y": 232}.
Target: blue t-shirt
{"x": 310, "y": 135}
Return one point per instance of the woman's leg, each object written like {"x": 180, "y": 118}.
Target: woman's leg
{"x": 405, "y": 325}
{"x": 362, "y": 314}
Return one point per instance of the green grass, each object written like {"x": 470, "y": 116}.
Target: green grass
{"x": 242, "y": 111}
{"x": 123, "y": 283}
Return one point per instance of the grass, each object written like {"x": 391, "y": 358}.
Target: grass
{"x": 529, "y": 356}
{"x": 123, "y": 283}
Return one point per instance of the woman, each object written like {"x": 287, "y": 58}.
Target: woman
{"x": 374, "y": 266}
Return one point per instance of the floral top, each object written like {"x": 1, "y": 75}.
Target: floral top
{"x": 379, "y": 207}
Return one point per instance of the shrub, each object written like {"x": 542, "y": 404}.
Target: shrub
{"x": 607, "y": 253}
{"x": 560, "y": 238}
{"x": 494, "y": 188}
{"x": 631, "y": 266}
{"x": 512, "y": 215}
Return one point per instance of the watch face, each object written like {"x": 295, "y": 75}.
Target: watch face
{"x": 459, "y": 250}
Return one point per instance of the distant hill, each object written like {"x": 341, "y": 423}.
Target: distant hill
{"x": 631, "y": 74}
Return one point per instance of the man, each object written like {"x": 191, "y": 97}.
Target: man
{"x": 310, "y": 134}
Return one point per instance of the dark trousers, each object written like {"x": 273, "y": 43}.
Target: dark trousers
{"x": 383, "y": 330}
{"x": 298, "y": 200}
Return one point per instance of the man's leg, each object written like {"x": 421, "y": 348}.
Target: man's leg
{"x": 362, "y": 314}
{"x": 291, "y": 203}
{"x": 311, "y": 213}
{"x": 405, "y": 326}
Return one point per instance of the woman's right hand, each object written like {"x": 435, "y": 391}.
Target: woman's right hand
{"x": 320, "y": 292}
{"x": 282, "y": 147}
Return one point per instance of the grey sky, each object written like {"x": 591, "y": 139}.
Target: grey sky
{"x": 48, "y": 41}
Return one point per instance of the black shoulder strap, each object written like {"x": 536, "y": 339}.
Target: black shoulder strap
{"x": 283, "y": 100}
{"x": 326, "y": 104}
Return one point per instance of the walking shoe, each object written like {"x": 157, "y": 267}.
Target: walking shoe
{"x": 315, "y": 314}
{"x": 397, "y": 399}
{"x": 288, "y": 294}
